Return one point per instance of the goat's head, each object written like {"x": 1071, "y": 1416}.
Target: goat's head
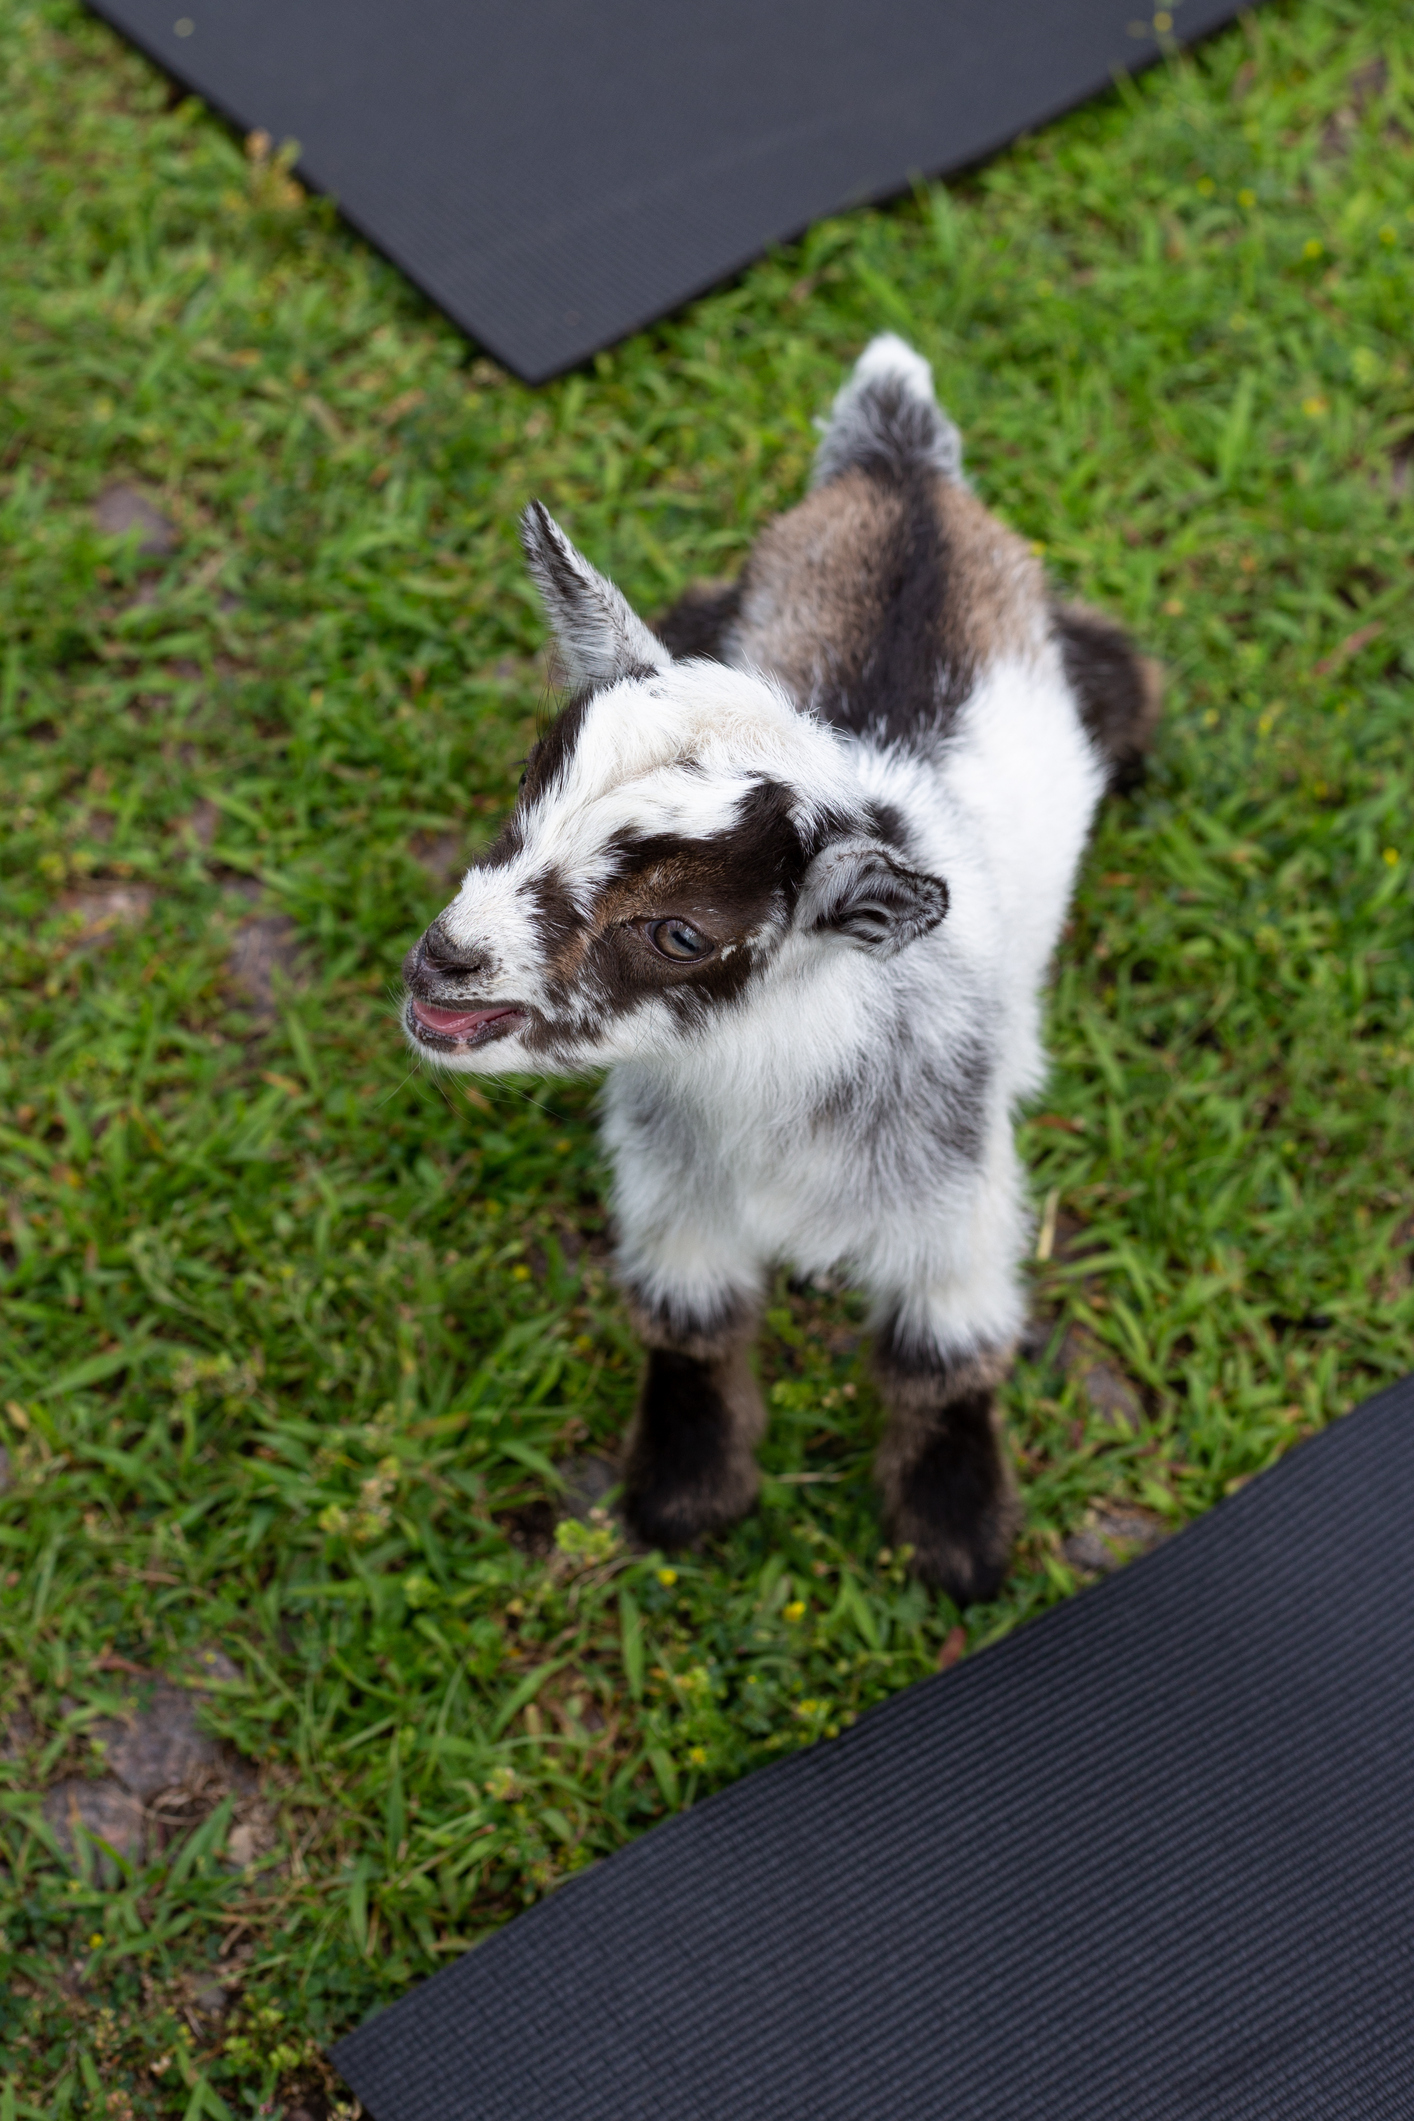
{"x": 681, "y": 828}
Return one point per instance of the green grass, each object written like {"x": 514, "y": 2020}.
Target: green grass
{"x": 292, "y": 1341}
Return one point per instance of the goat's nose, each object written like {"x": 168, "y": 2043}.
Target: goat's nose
{"x": 436, "y": 959}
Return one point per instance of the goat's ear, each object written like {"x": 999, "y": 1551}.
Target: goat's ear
{"x": 859, "y": 890}
{"x": 600, "y": 636}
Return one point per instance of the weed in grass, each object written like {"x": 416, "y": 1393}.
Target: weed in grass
{"x": 299, "y": 1348}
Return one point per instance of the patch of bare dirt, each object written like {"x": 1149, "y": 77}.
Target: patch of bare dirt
{"x": 201, "y": 821}
{"x": 103, "y": 1809}
{"x": 587, "y": 1481}
{"x": 263, "y": 945}
{"x": 530, "y": 1529}
{"x": 105, "y": 908}
{"x": 1367, "y": 83}
{"x": 441, "y": 855}
{"x": 212, "y": 1668}
{"x": 121, "y": 508}
{"x": 1115, "y": 1397}
{"x": 18, "y": 1734}
{"x": 1112, "y": 1534}
{"x": 162, "y": 1776}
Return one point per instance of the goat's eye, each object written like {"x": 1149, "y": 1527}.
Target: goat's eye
{"x": 679, "y": 940}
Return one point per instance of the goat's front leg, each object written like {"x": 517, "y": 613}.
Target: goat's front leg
{"x": 689, "y": 1463}
{"x": 694, "y": 1284}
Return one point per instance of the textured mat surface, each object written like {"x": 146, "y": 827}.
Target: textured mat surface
{"x": 554, "y": 175}
{"x": 1151, "y": 1857}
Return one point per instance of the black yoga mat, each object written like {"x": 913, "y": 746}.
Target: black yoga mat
{"x": 555, "y": 174}
{"x": 1150, "y": 1859}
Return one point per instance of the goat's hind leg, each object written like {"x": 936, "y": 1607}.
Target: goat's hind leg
{"x": 948, "y": 1487}
{"x": 689, "y": 1463}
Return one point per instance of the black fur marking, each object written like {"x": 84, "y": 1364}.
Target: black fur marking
{"x": 892, "y": 433}
{"x": 679, "y": 1482}
{"x": 919, "y": 1115}
{"x": 1117, "y": 689}
{"x": 917, "y": 670}
{"x": 888, "y": 825}
{"x": 549, "y": 761}
{"x": 952, "y": 1101}
{"x": 947, "y": 1485}
{"x": 694, "y": 626}
{"x": 508, "y": 843}
{"x": 950, "y": 1499}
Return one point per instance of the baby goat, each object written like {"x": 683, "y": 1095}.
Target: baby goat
{"x": 791, "y": 869}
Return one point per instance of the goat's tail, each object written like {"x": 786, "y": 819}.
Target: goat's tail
{"x": 886, "y": 419}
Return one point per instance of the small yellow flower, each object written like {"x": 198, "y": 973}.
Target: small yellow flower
{"x": 562, "y": 1146}
{"x": 806, "y": 1708}
{"x": 697, "y": 1755}
{"x": 667, "y": 1576}
{"x": 1163, "y": 22}
{"x": 795, "y": 1610}
{"x": 1038, "y": 546}
{"x": 520, "y": 1272}
{"x": 1392, "y": 857}
{"x": 1246, "y": 197}
{"x": 1312, "y": 247}
{"x": 1314, "y": 408}
{"x": 95, "y": 1940}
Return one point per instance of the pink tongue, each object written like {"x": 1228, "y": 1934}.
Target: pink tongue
{"x": 456, "y": 1023}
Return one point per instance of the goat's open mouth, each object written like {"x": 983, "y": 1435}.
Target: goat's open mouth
{"x": 461, "y": 1027}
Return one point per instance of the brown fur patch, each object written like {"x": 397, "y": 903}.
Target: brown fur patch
{"x": 826, "y": 582}
{"x": 730, "y": 887}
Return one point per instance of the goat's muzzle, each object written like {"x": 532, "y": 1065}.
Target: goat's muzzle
{"x": 436, "y": 1013}
{"x": 460, "y": 1029}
